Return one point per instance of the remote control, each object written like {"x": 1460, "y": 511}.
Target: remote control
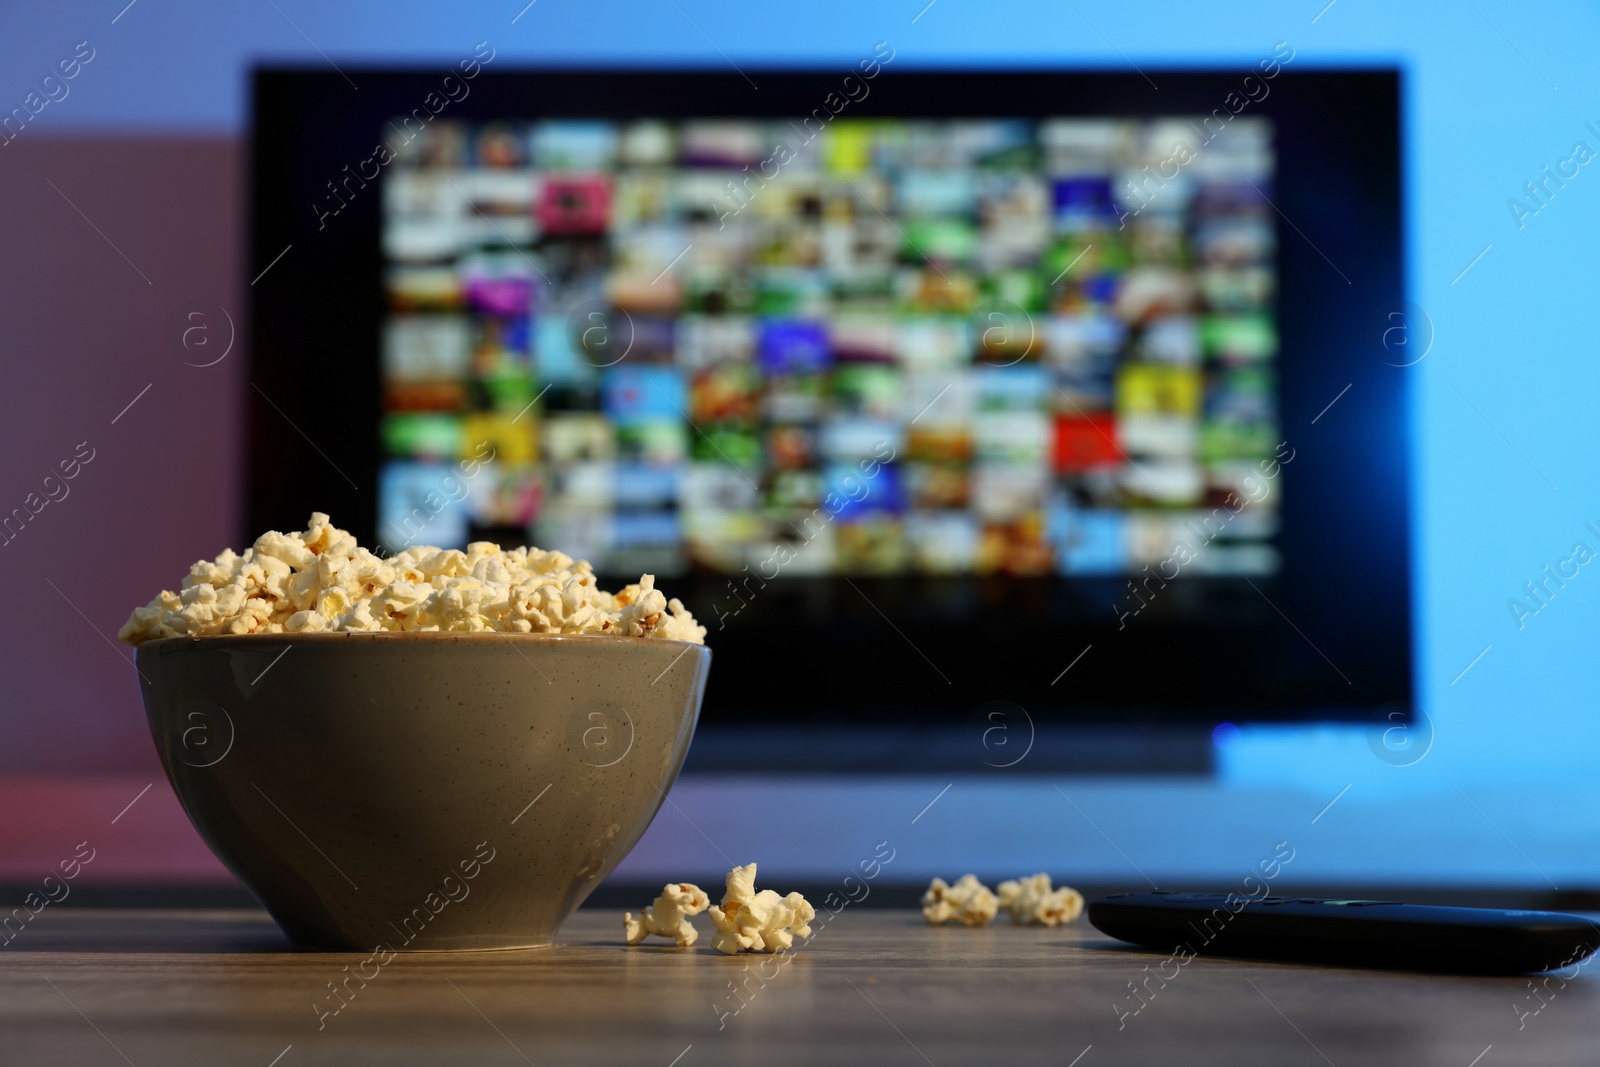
{"x": 1365, "y": 933}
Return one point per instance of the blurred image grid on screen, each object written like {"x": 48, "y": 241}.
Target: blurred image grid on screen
{"x": 666, "y": 345}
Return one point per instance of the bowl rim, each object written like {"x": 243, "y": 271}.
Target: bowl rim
{"x": 186, "y": 641}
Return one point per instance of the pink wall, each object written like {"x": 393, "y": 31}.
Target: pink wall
{"x": 93, "y": 298}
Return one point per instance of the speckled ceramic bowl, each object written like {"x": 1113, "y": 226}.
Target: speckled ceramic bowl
{"x": 422, "y": 791}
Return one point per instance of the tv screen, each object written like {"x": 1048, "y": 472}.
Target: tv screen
{"x": 961, "y": 386}
{"x": 891, "y": 346}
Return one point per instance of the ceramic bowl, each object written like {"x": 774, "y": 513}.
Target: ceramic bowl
{"x": 421, "y": 790}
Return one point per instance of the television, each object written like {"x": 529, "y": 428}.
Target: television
{"x": 923, "y": 389}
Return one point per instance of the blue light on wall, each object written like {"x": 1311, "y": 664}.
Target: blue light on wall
{"x": 1503, "y": 216}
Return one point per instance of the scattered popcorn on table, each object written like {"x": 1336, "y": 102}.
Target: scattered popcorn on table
{"x": 1031, "y": 900}
{"x": 322, "y": 580}
{"x": 759, "y": 922}
{"x": 968, "y": 902}
{"x": 669, "y": 915}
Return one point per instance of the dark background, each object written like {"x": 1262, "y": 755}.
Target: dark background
{"x": 152, "y": 148}
{"x": 1327, "y": 638}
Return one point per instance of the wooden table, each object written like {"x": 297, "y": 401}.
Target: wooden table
{"x": 873, "y": 987}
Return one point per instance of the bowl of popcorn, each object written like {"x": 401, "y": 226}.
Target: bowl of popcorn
{"x": 438, "y": 749}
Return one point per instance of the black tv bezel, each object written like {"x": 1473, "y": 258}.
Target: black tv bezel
{"x": 1330, "y": 638}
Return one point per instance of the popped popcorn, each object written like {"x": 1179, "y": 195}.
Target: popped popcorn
{"x": 321, "y": 580}
{"x": 1031, "y": 900}
{"x": 669, "y": 915}
{"x": 760, "y": 922}
{"x": 968, "y": 902}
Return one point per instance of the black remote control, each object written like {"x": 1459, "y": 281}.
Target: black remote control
{"x": 1363, "y": 933}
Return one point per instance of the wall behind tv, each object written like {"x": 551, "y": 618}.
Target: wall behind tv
{"x": 121, "y": 206}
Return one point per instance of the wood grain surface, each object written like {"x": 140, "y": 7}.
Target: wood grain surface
{"x": 80, "y": 986}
